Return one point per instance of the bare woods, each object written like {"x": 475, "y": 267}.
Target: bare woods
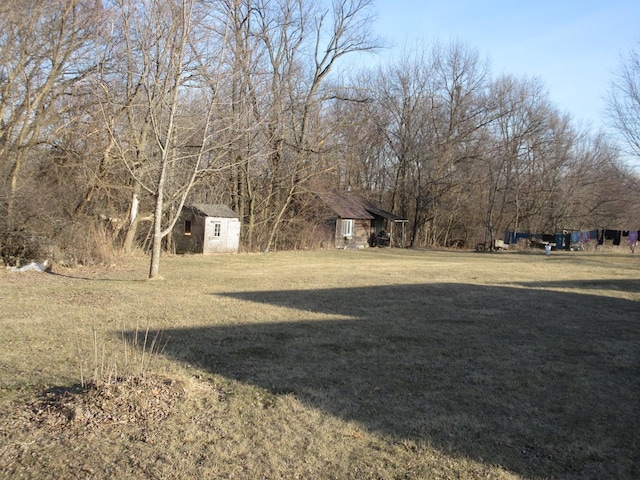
{"x": 115, "y": 113}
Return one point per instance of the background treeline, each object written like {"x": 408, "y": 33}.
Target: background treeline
{"x": 114, "y": 113}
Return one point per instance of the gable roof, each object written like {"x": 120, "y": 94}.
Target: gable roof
{"x": 345, "y": 205}
{"x": 350, "y": 205}
{"x": 211, "y": 210}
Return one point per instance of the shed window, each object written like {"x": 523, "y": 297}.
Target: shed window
{"x": 187, "y": 227}
{"x": 216, "y": 229}
{"x": 347, "y": 227}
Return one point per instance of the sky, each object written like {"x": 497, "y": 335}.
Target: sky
{"x": 573, "y": 47}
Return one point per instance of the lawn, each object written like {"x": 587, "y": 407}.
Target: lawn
{"x": 378, "y": 363}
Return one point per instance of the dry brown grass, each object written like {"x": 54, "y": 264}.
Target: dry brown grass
{"x": 334, "y": 364}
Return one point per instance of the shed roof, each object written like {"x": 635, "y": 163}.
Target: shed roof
{"x": 383, "y": 213}
{"x": 349, "y": 205}
{"x": 211, "y": 210}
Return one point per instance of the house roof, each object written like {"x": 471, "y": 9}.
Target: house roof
{"x": 383, "y": 213}
{"x": 211, "y": 210}
{"x": 345, "y": 205}
{"x": 349, "y": 205}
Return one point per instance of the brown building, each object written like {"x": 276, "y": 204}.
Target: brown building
{"x": 359, "y": 223}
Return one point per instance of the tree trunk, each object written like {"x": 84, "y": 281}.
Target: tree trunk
{"x": 276, "y": 223}
{"x": 13, "y": 188}
{"x": 132, "y": 231}
{"x": 156, "y": 242}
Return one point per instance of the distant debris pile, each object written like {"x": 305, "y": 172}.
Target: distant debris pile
{"x": 34, "y": 267}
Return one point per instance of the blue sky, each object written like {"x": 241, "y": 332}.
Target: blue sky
{"x": 573, "y": 47}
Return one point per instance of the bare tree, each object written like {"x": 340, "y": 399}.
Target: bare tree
{"x": 522, "y": 167}
{"x": 593, "y": 191}
{"x": 46, "y": 48}
{"x": 170, "y": 136}
{"x": 432, "y": 106}
{"x": 623, "y": 108}
{"x": 284, "y": 53}
{"x": 110, "y": 105}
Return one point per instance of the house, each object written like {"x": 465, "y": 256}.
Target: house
{"x": 359, "y": 223}
{"x": 204, "y": 228}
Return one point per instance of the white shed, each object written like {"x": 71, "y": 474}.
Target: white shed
{"x": 205, "y": 228}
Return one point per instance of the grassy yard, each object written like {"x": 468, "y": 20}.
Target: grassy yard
{"x": 380, "y": 363}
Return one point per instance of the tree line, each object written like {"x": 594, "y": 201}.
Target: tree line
{"x": 115, "y": 113}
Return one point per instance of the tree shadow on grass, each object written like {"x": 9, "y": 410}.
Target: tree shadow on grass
{"x": 624, "y": 285}
{"x": 544, "y": 383}
{"x": 97, "y": 279}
